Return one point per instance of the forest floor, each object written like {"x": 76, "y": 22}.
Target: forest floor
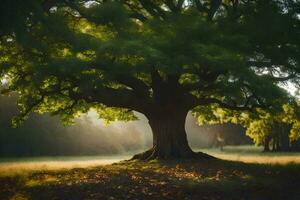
{"x": 180, "y": 179}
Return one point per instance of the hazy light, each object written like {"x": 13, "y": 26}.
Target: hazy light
{"x": 3, "y": 81}
{"x": 291, "y": 88}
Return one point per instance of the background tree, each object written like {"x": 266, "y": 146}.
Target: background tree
{"x": 160, "y": 58}
{"x": 295, "y": 136}
{"x": 276, "y": 130}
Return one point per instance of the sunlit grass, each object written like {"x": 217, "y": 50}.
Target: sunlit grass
{"x": 17, "y": 166}
{"x": 252, "y": 154}
{"x": 247, "y": 154}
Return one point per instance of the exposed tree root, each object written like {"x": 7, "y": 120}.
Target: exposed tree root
{"x": 154, "y": 154}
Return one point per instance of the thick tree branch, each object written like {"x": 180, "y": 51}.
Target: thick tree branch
{"x": 197, "y": 86}
{"x": 110, "y": 97}
{"x": 138, "y": 86}
{"x": 158, "y": 85}
{"x": 122, "y": 98}
{"x": 156, "y": 78}
{"x": 194, "y": 101}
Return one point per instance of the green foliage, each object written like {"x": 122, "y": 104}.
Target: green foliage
{"x": 114, "y": 114}
{"x": 259, "y": 130}
{"x": 260, "y": 124}
{"x": 295, "y": 132}
{"x": 67, "y": 57}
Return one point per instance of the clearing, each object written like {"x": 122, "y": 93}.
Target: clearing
{"x": 84, "y": 178}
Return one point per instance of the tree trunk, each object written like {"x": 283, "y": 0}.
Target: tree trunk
{"x": 169, "y": 137}
{"x": 285, "y": 140}
{"x": 267, "y": 144}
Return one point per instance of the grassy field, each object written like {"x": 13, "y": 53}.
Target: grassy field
{"x": 85, "y": 178}
{"x": 19, "y": 166}
{"x": 252, "y": 154}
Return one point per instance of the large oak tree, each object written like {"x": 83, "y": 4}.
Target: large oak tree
{"x": 161, "y": 58}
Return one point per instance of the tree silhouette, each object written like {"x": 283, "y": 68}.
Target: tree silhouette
{"x": 161, "y": 58}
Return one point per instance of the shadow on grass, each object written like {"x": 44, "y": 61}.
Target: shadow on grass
{"x": 183, "y": 179}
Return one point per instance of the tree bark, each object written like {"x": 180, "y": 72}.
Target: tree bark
{"x": 284, "y": 137}
{"x": 267, "y": 144}
{"x": 169, "y": 137}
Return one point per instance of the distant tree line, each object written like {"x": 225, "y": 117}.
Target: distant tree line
{"x": 277, "y": 130}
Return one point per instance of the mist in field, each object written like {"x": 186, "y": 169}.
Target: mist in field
{"x": 44, "y": 135}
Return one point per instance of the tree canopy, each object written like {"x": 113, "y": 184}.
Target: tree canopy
{"x": 154, "y": 57}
